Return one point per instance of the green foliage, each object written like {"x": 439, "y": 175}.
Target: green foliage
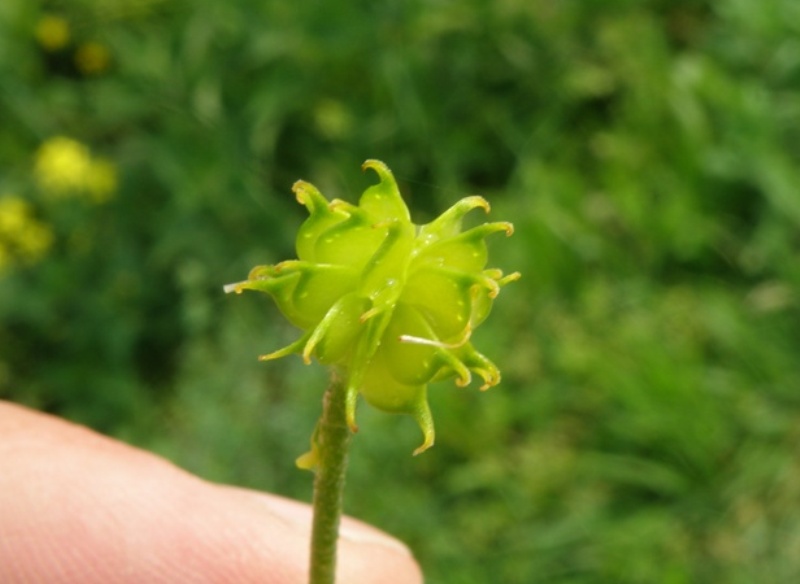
{"x": 646, "y": 152}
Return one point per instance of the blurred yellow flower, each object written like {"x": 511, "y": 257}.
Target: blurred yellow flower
{"x": 101, "y": 180}
{"x": 21, "y": 234}
{"x": 52, "y": 32}
{"x": 14, "y": 214}
{"x": 64, "y": 167}
{"x": 92, "y": 58}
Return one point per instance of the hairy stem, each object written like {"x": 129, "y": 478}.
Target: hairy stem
{"x": 332, "y": 439}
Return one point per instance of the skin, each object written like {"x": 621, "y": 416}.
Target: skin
{"x": 78, "y": 507}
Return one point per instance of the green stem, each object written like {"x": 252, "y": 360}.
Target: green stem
{"x": 332, "y": 438}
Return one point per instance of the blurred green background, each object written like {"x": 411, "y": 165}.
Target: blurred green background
{"x": 648, "y": 425}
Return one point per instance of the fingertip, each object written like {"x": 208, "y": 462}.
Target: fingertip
{"x": 366, "y": 554}
{"x": 83, "y": 508}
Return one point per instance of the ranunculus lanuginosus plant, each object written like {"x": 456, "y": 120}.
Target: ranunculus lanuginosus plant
{"x": 389, "y": 306}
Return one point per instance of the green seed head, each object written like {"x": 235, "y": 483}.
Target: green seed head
{"x": 389, "y": 304}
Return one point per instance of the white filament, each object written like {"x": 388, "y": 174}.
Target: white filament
{"x": 430, "y": 342}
